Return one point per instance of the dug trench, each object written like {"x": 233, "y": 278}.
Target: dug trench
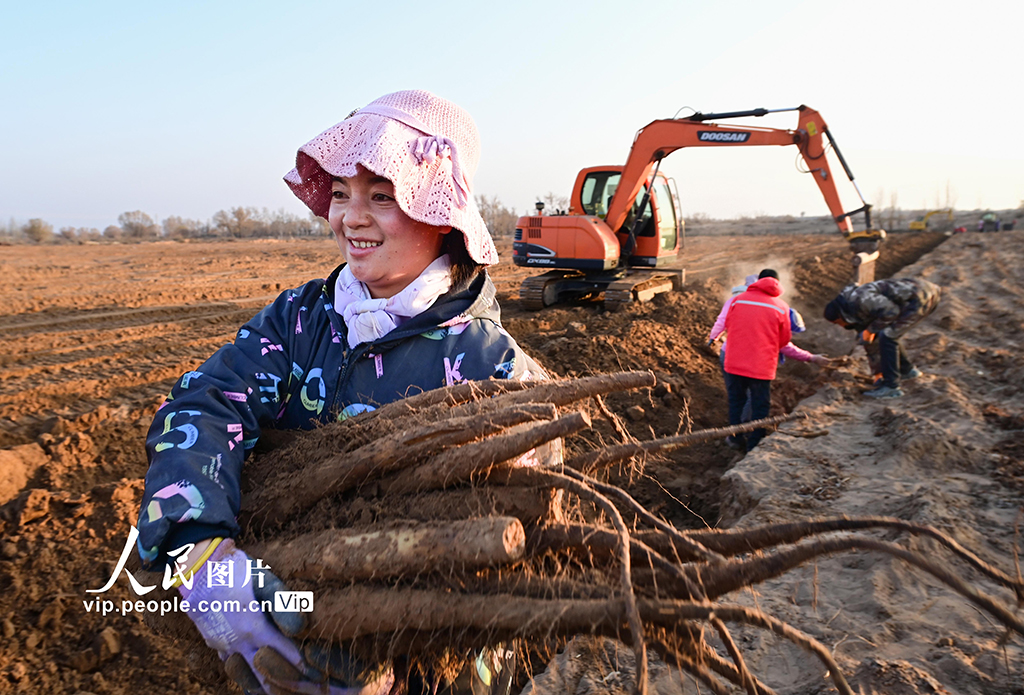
{"x": 83, "y": 376}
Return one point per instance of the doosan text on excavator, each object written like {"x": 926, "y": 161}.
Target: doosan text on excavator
{"x": 623, "y": 229}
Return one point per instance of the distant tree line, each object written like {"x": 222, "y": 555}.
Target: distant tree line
{"x": 235, "y": 223}
{"x": 135, "y": 226}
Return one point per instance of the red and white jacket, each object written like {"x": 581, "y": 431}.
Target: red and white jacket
{"x": 758, "y": 328}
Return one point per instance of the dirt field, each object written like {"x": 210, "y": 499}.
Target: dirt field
{"x": 93, "y": 336}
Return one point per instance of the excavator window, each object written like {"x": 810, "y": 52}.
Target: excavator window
{"x": 668, "y": 228}
{"x": 598, "y": 189}
{"x": 647, "y": 221}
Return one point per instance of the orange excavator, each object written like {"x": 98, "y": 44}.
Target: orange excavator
{"x": 623, "y": 228}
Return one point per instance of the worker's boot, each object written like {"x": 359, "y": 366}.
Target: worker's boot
{"x": 885, "y": 392}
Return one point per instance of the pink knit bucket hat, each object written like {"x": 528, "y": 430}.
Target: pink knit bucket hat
{"x": 426, "y": 146}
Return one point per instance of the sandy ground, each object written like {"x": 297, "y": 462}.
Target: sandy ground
{"x": 92, "y": 336}
{"x": 949, "y": 454}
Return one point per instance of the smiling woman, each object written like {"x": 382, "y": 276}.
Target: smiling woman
{"x": 385, "y": 248}
{"x": 412, "y": 309}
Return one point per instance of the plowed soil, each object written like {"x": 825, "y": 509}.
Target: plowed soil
{"x": 91, "y": 337}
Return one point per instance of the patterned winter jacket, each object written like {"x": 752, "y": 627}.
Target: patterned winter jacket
{"x": 290, "y": 367}
{"x": 889, "y": 307}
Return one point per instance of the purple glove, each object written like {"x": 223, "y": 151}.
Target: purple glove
{"x": 256, "y": 653}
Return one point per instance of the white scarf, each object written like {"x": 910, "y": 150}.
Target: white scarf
{"x": 368, "y": 319}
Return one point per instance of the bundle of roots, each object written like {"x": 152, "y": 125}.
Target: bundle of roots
{"x": 438, "y": 525}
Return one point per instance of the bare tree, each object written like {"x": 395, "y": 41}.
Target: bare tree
{"x": 895, "y": 216}
{"x": 38, "y": 231}
{"x": 500, "y": 220}
{"x": 555, "y": 204}
{"x": 318, "y": 226}
{"x": 138, "y": 225}
{"x": 181, "y": 228}
{"x": 10, "y": 231}
{"x": 282, "y": 224}
{"x": 239, "y": 222}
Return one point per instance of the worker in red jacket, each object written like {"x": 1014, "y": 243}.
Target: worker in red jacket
{"x": 758, "y": 327}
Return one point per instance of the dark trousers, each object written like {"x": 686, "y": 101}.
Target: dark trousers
{"x": 759, "y": 391}
{"x": 895, "y": 362}
{"x": 747, "y": 406}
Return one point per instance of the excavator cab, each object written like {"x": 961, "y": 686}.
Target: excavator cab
{"x": 588, "y": 258}
{"x": 660, "y": 225}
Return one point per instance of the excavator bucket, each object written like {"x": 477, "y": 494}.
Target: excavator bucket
{"x": 864, "y": 245}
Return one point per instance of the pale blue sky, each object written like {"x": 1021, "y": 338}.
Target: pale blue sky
{"x": 187, "y": 108}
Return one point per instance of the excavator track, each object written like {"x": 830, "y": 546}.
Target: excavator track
{"x": 614, "y": 300}
{"x": 531, "y": 293}
{"x": 619, "y": 289}
{"x": 542, "y": 290}
{"x": 640, "y": 287}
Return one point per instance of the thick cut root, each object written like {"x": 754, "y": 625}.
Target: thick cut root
{"x": 460, "y": 465}
{"x": 441, "y": 547}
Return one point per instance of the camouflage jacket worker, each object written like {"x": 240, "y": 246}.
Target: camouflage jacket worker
{"x": 888, "y": 307}
{"x": 290, "y": 367}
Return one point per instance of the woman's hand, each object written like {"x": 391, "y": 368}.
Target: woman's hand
{"x": 232, "y": 603}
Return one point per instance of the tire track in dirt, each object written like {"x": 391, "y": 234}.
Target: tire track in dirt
{"x": 176, "y": 313}
{"x": 95, "y": 276}
{"x": 53, "y": 348}
{"x": 49, "y": 392}
{"x": 137, "y": 351}
{"x": 77, "y": 360}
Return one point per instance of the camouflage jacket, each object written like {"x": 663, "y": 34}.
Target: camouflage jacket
{"x": 889, "y": 307}
{"x": 290, "y": 367}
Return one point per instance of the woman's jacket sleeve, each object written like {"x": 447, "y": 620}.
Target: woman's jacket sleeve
{"x": 212, "y": 416}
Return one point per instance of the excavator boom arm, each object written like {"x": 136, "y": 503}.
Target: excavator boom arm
{"x": 660, "y": 138}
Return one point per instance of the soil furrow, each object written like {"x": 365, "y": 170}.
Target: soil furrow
{"x": 57, "y": 352}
